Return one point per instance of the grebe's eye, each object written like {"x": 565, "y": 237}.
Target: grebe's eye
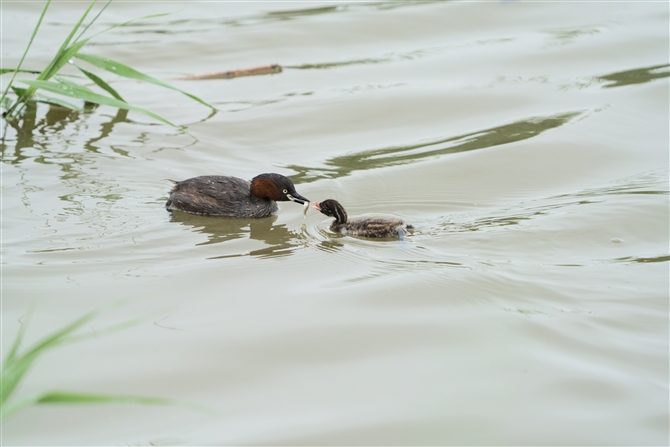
{"x": 286, "y": 191}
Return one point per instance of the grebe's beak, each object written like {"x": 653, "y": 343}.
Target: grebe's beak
{"x": 297, "y": 198}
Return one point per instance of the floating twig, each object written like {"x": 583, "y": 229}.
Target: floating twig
{"x": 265, "y": 69}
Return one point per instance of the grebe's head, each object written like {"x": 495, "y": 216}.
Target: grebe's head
{"x": 332, "y": 208}
{"x": 275, "y": 187}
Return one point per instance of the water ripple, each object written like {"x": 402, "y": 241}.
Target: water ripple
{"x": 342, "y": 166}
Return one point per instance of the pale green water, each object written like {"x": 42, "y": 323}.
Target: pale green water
{"x": 528, "y": 142}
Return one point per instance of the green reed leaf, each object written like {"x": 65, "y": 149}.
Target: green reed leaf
{"x": 19, "y": 338}
{"x": 93, "y": 20}
{"x": 59, "y": 60}
{"x": 62, "y": 58}
{"x": 64, "y": 80}
{"x": 12, "y": 375}
{"x": 7, "y": 409}
{"x": 54, "y": 66}
{"x": 87, "y": 95}
{"x": 30, "y": 42}
{"x": 128, "y": 72}
{"x": 101, "y": 83}
{"x": 15, "y": 70}
{"x": 63, "y": 55}
{"x": 57, "y": 102}
{"x": 57, "y": 337}
{"x": 74, "y": 398}
{"x": 65, "y": 397}
{"x": 15, "y": 366}
{"x": 18, "y": 90}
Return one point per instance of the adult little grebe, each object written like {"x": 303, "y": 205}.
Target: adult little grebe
{"x": 372, "y": 227}
{"x": 221, "y": 196}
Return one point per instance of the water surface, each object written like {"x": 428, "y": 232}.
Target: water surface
{"x": 526, "y": 141}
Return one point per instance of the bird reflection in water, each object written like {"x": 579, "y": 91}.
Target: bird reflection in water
{"x": 279, "y": 240}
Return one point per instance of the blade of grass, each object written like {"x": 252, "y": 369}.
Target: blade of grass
{"x": 61, "y": 58}
{"x": 11, "y": 70}
{"x": 93, "y": 21}
{"x": 69, "y": 49}
{"x": 101, "y": 83}
{"x": 18, "y": 90}
{"x": 114, "y": 328}
{"x": 128, "y": 72}
{"x": 51, "y": 340}
{"x": 87, "y": 95}
{"x": 30, "y": 42}
{"x": 57, "y": 102}
{"x": 49, "y": 71}
{"x": 19, "y": 338}
{"x": 65, "y": 81}
{"x": 60, "y": 336}
{"x": 17, "y": 365}
{"x": 12, "y": 375}
{"x": 66, "y": 397}
{"x": 6, "y": 409}
{"x": 14, "y": 370}
{"x": 5, "y": 104}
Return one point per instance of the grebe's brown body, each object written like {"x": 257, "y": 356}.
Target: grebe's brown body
{"x": 222, "y": 196}
{"x": 371, "y": 227}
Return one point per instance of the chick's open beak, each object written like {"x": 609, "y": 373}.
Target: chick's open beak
{"x": 316, "y": 206}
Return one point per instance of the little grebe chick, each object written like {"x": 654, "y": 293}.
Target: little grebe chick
{"x": 371, "y": 227}
{"x": 222, "y": 196}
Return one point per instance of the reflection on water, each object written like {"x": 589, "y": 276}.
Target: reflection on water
{"x": 627, "y": 259}
{"x": 55, "y": 139}
{"x": 638, "y": 76}
{"x": 207, "y": 23}
{"x": 397, "y": 56}
{"x": 346, "y": 7}
{"x": 220, "y": 230}
{"x": 302, "y": 12}
{"x": 280, "y": 241}
{"x": 569, "y": 36}
{"x": 33, "y": 133}
{"x": 343, "y": 166}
